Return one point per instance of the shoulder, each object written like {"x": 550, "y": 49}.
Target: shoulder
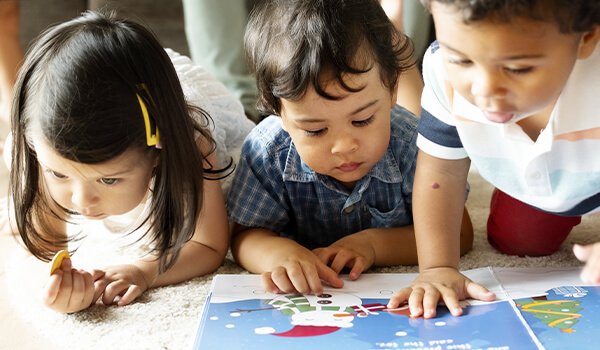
{"x": 267, "y": 140}
{"x": 403, "y": 136}
{"x": 403, "y": 124}
{"x": 434, "y": 76}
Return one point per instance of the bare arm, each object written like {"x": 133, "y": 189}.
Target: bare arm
{"x": 438, "y": 202}
{"x": 205, "y": 252}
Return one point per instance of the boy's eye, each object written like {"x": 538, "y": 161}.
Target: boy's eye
{"x": 519, "y": 70}
{"x": 315, "y": 132}
{"x": 57, "y": 175}
{"x": 460, "y": 62}
{"x": 108, "y": 181}
{"x": 364, "y": 122}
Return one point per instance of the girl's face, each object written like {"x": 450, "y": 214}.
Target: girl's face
{"x": 96, "y": 191}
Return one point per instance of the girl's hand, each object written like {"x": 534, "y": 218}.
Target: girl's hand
{"x": 353, "y": 251}
{"x": 590, "y": 254}
{"x": 124, "y": 281}
{"x": 69, "y": 290}
{"x": 299, "y": 270}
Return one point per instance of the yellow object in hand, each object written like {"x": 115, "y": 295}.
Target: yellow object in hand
{"x": 57, "y": 260}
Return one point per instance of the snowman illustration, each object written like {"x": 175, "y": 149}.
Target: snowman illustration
{"x": 313, "y": 315}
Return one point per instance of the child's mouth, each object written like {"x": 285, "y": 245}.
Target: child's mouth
{"x": 498, "y": 117}
{"x": 347, "y": 167}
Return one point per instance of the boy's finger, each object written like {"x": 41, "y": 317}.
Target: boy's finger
{"x": 479, "y": 292}
{"x": 452, "y": 303}
{"x": 360, "y": 265}
{"x": 431, "y": 299}
{"x": 323, "y": 254}
{"x": 342, "y": 259}
{"x": 268, "y": 284}
{"x": 415, "y": 302}
{"x": 328, "y": 275}
{"x": 399, "y": 297}
{"x": 280, "y": 277}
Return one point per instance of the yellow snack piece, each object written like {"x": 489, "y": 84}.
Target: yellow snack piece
{"x": 57, "y": 260}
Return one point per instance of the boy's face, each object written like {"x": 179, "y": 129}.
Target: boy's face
{"x": 342, "y": 138}
{"x": 508, "y": 70}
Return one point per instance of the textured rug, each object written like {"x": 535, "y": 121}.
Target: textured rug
{"x": 167, "y": 317}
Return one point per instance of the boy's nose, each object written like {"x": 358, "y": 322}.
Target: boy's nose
{"x": 345, "y": 143}
{"x": 488, "y": 84}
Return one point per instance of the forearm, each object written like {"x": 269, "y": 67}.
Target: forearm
{"x": 392, "y": 246}
{"x": 195, "y": 259}
{"x": 438, "y": 207}
{"x": 256, "y": 249}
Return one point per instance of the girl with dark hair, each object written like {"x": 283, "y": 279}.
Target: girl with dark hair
{"x": 102, "y": 126}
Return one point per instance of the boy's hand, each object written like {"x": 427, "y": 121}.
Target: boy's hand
{"x": 299, "y": 270}
{"x": 126, "y": 281}
{"x": 444, "y": 283}
{"x": 590, "y": 254}
{"x": 353, "y": 251}
{"x": 68, "y": 290}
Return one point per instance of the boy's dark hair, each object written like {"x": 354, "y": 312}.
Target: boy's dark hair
{"x": 571, "y": 16}
{"x": 78, "y": 86}
{"x": 290, "y": 44}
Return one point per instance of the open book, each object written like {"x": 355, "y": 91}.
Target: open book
{"x": 536, "y": 308}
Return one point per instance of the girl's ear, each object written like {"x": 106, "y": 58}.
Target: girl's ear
{"x": 156, "y": 159}
{"x": 588, "y": 43}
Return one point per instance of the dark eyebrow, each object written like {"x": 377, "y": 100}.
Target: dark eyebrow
{"x": 507, "y": 58}
{"x": 360, "y": 109}
{"x": 356, "y": 111}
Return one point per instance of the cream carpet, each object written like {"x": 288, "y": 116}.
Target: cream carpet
{"x": 167, "y": 318}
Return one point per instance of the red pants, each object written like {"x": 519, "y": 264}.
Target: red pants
{"x": 516, "y": 228}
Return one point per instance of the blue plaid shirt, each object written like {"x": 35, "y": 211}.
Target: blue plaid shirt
{"x": 275, "y": 190}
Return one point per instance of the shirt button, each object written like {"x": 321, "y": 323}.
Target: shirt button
{"x": 349, "y": 209}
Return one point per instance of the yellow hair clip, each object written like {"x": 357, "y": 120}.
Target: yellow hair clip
{"x": 151, "y": 139}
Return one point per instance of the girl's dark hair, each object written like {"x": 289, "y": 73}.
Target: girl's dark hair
{"x": 78, "y": 86}
{"x": 290, "y": 43}
{"x": 571, "y": 16}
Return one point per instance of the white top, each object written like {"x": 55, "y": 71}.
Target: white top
{"x": 559, "y": 173}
